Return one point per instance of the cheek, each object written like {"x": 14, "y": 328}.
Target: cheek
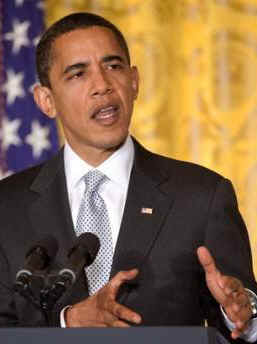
{"x": 68, "y": 102}
{"x": 128, "y": 96}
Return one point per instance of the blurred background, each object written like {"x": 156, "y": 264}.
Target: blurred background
{"x": 198, "y": 100}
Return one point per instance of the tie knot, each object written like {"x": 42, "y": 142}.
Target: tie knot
{"x": 93, "y": 179}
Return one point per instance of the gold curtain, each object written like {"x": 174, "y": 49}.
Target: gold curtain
{"x": 198, "y": 65}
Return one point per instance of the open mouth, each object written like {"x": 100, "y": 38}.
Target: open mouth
{"x": 105, "y": 113}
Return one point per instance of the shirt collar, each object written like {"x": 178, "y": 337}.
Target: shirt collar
{"x": 117, "y": 167}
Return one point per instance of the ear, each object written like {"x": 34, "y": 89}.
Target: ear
{"x": 135, "y": 80}
{"x": 44, "y": 100}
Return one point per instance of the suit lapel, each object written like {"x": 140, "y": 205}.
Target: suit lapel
{"x": 50, "y": 215}
{"x": 50, "y": 212}
{"x": 146, "y": 208}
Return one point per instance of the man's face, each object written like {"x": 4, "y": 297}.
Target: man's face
{"x": 93, "y": 89}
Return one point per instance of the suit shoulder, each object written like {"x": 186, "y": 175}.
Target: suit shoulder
{"x": 43, "y": 173}
{"x": 181, "y": 170}
{"x": 20, "y": 180}
{"x": 191, "y": 179}
{"x": 190, "y": 168}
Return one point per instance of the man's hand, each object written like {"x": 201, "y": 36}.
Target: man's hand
{"x": 228, "y": 292}
{"x": 101, "y": 309}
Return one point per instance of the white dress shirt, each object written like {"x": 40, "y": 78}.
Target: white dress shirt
{"x": 114, "y": 192}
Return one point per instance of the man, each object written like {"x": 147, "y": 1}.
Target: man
{"x": 181, "y": 249}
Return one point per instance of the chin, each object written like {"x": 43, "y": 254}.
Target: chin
{"x": 115, "y": 143}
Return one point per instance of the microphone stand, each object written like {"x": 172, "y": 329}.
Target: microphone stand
{"x": 30, "y": 287}
{"x": 25, "y": 290}
{"x": 50, "y": 295}
{"x": 56, "y": 285}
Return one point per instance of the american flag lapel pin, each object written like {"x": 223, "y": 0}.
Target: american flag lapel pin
{"x": 147, "y": 211}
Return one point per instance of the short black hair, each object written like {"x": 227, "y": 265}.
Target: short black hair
{"x": 67, "y": 24}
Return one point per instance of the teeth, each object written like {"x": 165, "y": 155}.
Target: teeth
{"x": 105, "y": 115}
{"x": 109, "y": 108}
{"x": 105, "y": 112}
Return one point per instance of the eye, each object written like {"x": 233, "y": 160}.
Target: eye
{"x": 77, "y": 75}
{"x": 115, "y": 66}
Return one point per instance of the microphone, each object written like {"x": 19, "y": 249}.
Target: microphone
{"x": 38, "y": 258}
{"x": 81, "y": 255}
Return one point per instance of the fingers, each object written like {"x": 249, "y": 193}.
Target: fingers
{"x": 117, "y": 310}
{"x": 234, "y": 293}
{"x": 102, "y": 309}
{"x": 232, "y": 286}
{"x": 228, "y": 292}
{"x": 241, "y": 324}
{"x": 123, "y": 313}
{"x": 236, "y": 304}
{"x": 119, "y": 323}
{"x": 113, "y": 313}
{"x": 238, "y": 308}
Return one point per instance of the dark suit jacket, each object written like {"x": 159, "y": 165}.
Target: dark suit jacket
{"x": 191, "y": 206}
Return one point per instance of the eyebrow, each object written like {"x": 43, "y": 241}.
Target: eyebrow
{"x": 83, "y": 65}
{"x": 75, "y": 66}
{"x": 110, "y": 58}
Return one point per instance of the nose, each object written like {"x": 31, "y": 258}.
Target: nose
{"x": 101, "y": 85}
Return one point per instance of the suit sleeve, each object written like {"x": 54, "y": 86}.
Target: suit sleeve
{"x": 227, "y": 239}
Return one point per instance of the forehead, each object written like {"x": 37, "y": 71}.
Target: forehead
{"x": 95, "y": 39}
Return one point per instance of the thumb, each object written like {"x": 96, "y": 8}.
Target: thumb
{"x": 122, "y": 277}
{"x": 214, "y": 278}
{"x": 206, "y": 260}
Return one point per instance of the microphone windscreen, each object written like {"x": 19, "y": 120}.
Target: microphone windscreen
{"x": 48, "y": 245}
{"x": 88, "y": 244}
